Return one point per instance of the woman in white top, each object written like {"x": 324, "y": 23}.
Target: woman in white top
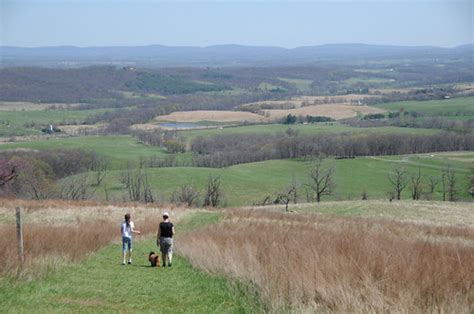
{"x": 127, "y": 229}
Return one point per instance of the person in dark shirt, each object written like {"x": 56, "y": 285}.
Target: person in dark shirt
{"x": 164, "y": 239}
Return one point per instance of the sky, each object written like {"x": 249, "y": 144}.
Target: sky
{"x": 290, "y": 23}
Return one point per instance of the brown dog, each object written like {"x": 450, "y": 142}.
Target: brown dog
{"x": 154, "y": 259}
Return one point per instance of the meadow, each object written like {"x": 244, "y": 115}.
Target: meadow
{"x": 311, "y": 264}
{"x": 251, "y": 183}
{"x": 30, "y": 122}
{"x": 120, "y": 149}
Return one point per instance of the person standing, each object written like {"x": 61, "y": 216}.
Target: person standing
{"x": 164, "y": 239}
{"x": 127, "y": 229}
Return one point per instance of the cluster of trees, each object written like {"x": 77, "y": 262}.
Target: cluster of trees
{"x": 420, "y": 185}
{"x": 322, "y": 183}
{"x": 35, "y": 175}
{"x": 168, "y": 139}
{"x": 226, "y": 150}
{"x": 293, "y": 119}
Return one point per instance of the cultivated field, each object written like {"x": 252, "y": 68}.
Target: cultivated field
{"x": 334, "y": 111}
{"x": 210, "y": 115}
{"x": 301, "y": 101}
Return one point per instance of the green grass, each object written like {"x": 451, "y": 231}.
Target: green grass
{"x": 120, "y": 149}
{"x": 13, "y": 122}
{"x": 264, "y": 86}
{"x": 102, "y": 284}
{"x": 303, "y": 129}
{"x": 300, "y": 84}
{"x": 367, "y": 80}
{"x": 447, "y": 107}
{"x": 247, "y": 184}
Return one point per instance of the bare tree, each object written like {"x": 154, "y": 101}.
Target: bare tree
{"x": 399, "y": 181}
{"x": 75, "y": 188}
{"x": 7, "y": 173}
{"x": 448, "y": 180}
{"x": 288, "y": 194}
{"x": 416, "y": 185}
{"x": 322, "y": 179}
{"x": 100, "y": 166}
{"x": 137, "y": 186}
{"x": 470, "y": 180}
{"x": 432, "y": 183}
{"x": 185, "y": 194}
{"x": 214, "y": 192}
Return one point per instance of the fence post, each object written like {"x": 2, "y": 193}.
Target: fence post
{"x": 19, "y": 237}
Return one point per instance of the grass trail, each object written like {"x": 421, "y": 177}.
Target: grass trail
{"x": 101, "y": 283}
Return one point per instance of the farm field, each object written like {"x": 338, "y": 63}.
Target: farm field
{"x": 462, "y": 106}
{"x": 29, "y": 122}
{"x": 210, "y": 115}
{"x": 334, "y": 111}
{"x": 120, "y": 149}
{"x": 116, "y": 146}
{"x": 303, "y": 129}
{"x": 248, "y": 184}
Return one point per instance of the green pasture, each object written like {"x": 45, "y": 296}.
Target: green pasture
{"x": 30, "y": 122}
{"x": 367, "y": 80}
{"x": 265, "y": 86}
{"x": 251, "y": 183}
{"x": 303, "y": 129}
{"x": 121, "y": 149}
{"x": 463, "y": 106}
{"x": 300, "y": 84}
{"x": 102, "y": 284}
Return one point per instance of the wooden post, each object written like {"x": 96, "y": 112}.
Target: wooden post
{"x": 19, "y": 237}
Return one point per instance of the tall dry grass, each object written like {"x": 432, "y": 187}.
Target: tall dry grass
{"x": 319, "y": 263}
{"x": 56, "y": 233}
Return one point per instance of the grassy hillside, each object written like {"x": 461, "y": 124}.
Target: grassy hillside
{"x": 250, "y": 183}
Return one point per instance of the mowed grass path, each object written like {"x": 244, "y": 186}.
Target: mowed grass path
{"x": 102, "y": 284}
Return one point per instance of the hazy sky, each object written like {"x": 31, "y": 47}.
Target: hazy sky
{"x": 201, "y": 23}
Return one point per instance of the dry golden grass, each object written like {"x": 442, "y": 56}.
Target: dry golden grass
{"x": 82, "y": 129}
{"x": 298, "y": 102}
{"x": 309, "y": 263}
{"x": 58, "y": 232}
{"x": 335, "y": 111}
{"x": 210, "y": 115}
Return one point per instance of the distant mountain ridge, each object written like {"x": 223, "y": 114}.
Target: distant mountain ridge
{"x": 220, "y": 55}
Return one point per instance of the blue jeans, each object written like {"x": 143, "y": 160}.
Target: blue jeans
{"x": 126, "y": 242}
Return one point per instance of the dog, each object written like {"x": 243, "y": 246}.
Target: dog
{"x": 154, "y": 259}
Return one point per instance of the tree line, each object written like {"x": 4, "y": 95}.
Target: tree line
{"x": 227, "y": 150}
